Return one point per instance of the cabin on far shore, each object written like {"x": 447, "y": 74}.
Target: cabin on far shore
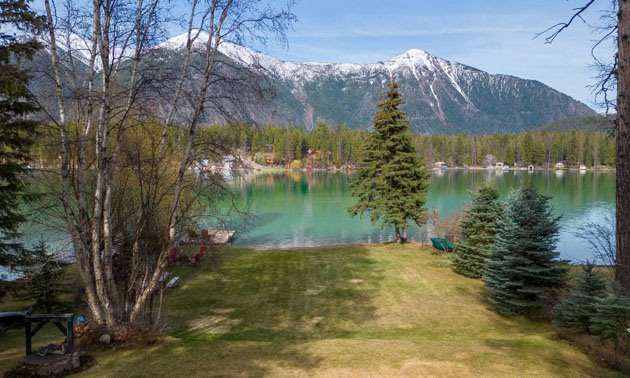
{"x": 559, "y": 165}
{"x": 439, "y": 165}
{"x": 268, "y": 157}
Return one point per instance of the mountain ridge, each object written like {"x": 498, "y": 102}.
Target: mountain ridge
{"x": 441, "y": 96}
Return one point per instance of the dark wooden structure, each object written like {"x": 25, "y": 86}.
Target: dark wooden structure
{"x": 53, "y": 359}
{"x": 57, "y": 319}
{"x": 12, "y": 320}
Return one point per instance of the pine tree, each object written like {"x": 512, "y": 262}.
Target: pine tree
{"x": 510, "y": 155}
{"x": 574, "y": 313}
{"x": 589, "y": 161}
{"x": 479, "y": 229}
{"x": 392, "y": 181}
{"x": 43, "y": 282}
{"x": 556, "y": 151}
{"x": 572, "y": 153}
{"x": 16, "y": 131}
{"x": 539, "y": 153}
{"x": 460, "y": 150}
{"x": 523, "y": 263}
{"x": 528, "y": 148}
{"x": 611, "y": 320}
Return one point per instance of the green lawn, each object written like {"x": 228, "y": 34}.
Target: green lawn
{"x": 377, "y": 310}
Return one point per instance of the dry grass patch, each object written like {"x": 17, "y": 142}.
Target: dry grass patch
{"x": 356, "y": 311}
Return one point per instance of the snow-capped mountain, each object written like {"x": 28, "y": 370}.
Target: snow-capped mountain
{"x": 441, "y": 96}
{"x": 80, "y": 49}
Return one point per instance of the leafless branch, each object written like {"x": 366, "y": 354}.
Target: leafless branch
{"x": 556, "y": 29}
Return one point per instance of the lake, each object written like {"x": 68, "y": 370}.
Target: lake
{"x": 306, "y": 209}
{"x": 291, "y": 209}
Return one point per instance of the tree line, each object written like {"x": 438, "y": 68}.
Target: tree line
{"x": 340, "y": 145}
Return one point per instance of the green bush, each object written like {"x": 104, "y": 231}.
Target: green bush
{"x": 575, "y": 312}
{"x": 611, "y": 320}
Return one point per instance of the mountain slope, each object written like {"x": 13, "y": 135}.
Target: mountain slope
{"x": 441, "y": 96}
{"x": 585, "y": 123}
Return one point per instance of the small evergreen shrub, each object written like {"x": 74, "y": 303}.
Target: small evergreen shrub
{"x": 43, "y": 281}
{"x": 611, "y": 319}
{"x": 575, "y": 312}
{"x": 479, "y": 229}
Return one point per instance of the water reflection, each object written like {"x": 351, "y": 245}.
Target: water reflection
{"x": 310, "y": 208}
{"x": 304, "y": 209}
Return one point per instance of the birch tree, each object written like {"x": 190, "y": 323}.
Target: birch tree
{"x": 115, "y": 129}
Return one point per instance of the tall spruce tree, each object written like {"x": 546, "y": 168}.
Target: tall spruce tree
{"x": 574, "y": 313}
{"x": 528, "y": 149}
{"x": 479, "y": 229}
{"x": 16, "y": 130}
{"x": 392, "y": 181}
{"x": 523, "y": 263}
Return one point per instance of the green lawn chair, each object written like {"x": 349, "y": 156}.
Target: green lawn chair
{"x": 442, "y": 244}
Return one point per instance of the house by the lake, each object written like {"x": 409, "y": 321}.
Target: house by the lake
{"x": 440, "y": 165}
{"x": 268, "y": 158}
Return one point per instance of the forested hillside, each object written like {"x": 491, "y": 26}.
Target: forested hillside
{"x": 598, "y": 123}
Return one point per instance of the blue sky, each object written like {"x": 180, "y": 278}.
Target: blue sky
{"x": 492, "y": 35}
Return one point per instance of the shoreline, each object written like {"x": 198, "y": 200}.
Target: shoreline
{"x": 342, "y": 170}
{"x": 415, "y": 243}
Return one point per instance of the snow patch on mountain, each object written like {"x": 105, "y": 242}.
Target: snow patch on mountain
{"x": 80, "y": 48}
{"x": 418, "y": 62}
{"x": 442, "y": 96}
{"x": 200, "y": 38}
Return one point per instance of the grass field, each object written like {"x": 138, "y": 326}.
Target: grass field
{"x": 357, "y": 311}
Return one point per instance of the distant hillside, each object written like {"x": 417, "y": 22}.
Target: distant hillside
{"x": 584, "y": 123}
{"x": 441, "y": 97}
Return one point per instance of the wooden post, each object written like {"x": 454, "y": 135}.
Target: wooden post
{"x": 27, "y": 332}
{"x": 70, "y": 333}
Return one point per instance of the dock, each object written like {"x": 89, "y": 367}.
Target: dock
{"x": 220, "y": 237}
{"x": 216, "y": 237}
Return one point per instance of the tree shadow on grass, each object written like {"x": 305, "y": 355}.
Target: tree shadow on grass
{"x": 277, "y": 300}
{"x": 181, "y": 358}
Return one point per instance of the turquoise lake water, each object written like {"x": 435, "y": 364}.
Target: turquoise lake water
{"x": 301, "y": 209}
{"x": 307, "y": 209}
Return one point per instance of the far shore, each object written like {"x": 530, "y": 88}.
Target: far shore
{"x": 470, "y": 168}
